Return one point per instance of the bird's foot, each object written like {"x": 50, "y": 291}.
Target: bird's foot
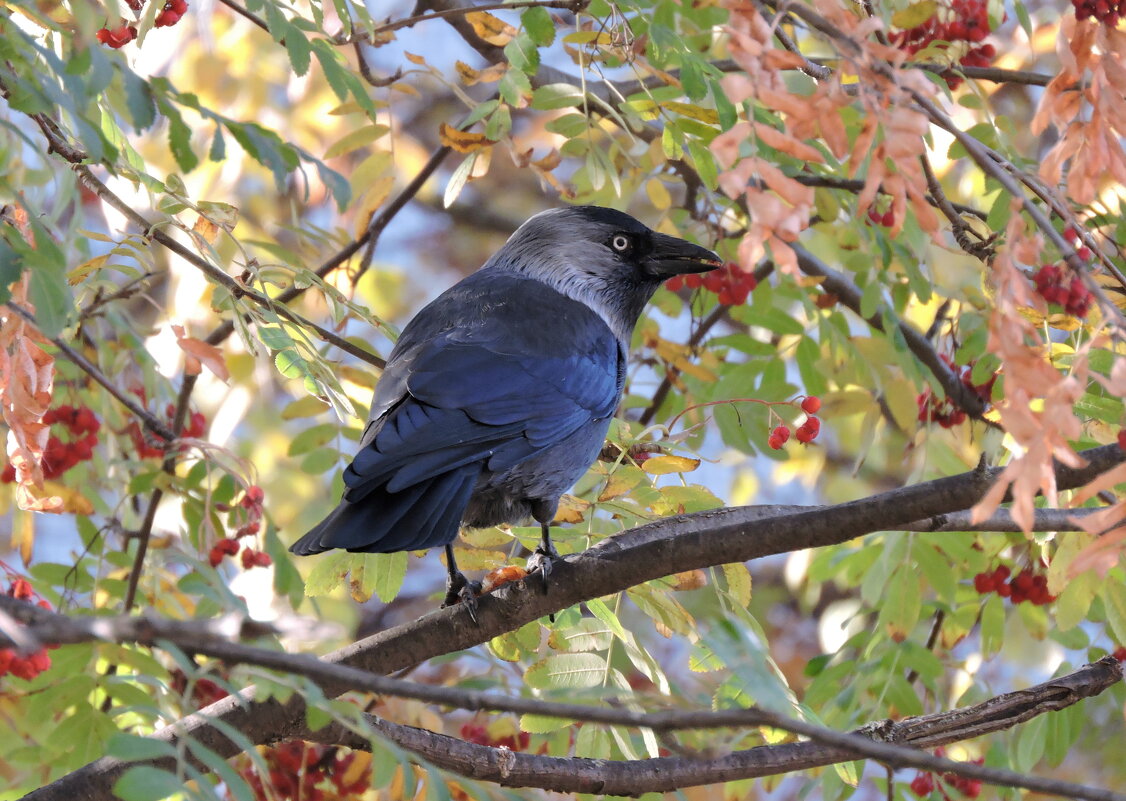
{"x": 542, "y": 559}
{"x": 461, "y": 590}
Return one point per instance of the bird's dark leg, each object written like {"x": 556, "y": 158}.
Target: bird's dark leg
{"x": 459, "y": 589}
{"x": 545, "y": 554}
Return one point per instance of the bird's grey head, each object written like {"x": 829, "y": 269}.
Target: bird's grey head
{"x": 601, "y": 257}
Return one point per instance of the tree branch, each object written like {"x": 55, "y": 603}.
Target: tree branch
{"x": 892, "y": 743}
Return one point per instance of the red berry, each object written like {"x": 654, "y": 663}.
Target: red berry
{"x": 715, "y": 280}
{"x": 983, "y": 583}
{"x": 8, "y": 474}
{"x": 923, "y": 784}
{"x": 255, "y": 494}
{"x": 675, "y": 284}
{"x": 1083, "y": 253}
{"x": 694, "y": 281}
{"x": 1120, "y": 653}
{"x": 811, "y": 405}
{"x": 1122, "y": 439}
{"x": 725, "y": 298}
{"x": 782, "y": 432}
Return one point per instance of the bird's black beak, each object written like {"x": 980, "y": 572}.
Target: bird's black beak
{"x": 671, "y": 256}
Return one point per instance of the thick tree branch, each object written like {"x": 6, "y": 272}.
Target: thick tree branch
{"x": 893, "y": 743}
{"x": 879, "y": 741}
{"x": 641, "y": 554}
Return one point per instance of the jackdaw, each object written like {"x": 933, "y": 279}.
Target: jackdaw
{"x": 498, "y": 394}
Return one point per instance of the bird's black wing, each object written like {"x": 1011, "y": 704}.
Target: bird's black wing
{"x": 495, "y": 371}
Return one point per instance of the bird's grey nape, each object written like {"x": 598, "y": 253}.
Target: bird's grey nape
{"x": 567, "y": 249}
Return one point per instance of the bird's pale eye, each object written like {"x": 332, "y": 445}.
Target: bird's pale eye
{"x": 620, "y": 243}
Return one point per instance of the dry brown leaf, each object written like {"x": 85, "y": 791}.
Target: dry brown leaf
{"x": 463, "y": 141}
{"x": 492, "y": 29}
{"x": 199, "y": 354}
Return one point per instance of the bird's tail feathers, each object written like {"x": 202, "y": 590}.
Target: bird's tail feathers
{"x": 414, "y": 518}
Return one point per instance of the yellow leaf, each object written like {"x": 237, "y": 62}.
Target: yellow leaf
{"x": 492, "y": 29}
{"x": 622, "y": 481}
{"x": 658, "y": 195}
{"x": 369, "y": 170}
{"x": 308, "y": 406}
{"x": 373, "y": 199}
{"x": 571, "y": 509}
{"x": 73, "y": 501}
{"x": 462, "y": 141}
{"x": 405, "y": 88}
{"x": 415, "y": 59}
{"x": 588, "y": 37}
{"x": 79, "y": 273}
{"x": 665, "y": 464}
{"x": 692, "y": 112}
{"x": 356, "y": 140}
{"x": 914, "y": 15}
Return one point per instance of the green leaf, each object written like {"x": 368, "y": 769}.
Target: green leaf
{"x": 558, "y": 95}
{"x": 328, "y": 572}
{"x": 993, "y": 625}
{"x": 704, "y": 162}
{"x": 1114, "y": 597}
{"x": 320, "y": 461}
{"x": 539, "y": 724}
{"x": 134, "y": 748}
{"x": 566, "y": 671}
{"x": 537, "y": 22}
{"x": 146, "y": 783}
{"x": 334, "y": 73}
{"x": 179, "y": 138}
{"x": 383, "y": 574}
{"x": 297, "y": 45}
{"x": 313, "y": 437}
{"x": 458, "y": 179}
{"x": 139, "y": 100}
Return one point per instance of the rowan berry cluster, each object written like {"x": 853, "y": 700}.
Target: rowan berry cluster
{"x": 887, "y": 219}
{"x": 1108, "y": 12}
{"x": 729, "y": 284}
{"x": 301, "y": 771}
{"x": 81, "y": 424}
{"x": 1025, "y": 586}
{"x": 249, "y": 509}
{"x": 476, "y": 733}
{"x": 30, "y": 665}
{"x": 807, "y": 431}
{"x": 152, "y": 446}
{"x": 960, "y": 21}
{"x": 205, "y": 692}
{"x": 172, "y": 12}
{"x": 945, "y": 412}
{"x": 1063, "y": 287}
{"x": 926, "y": 783}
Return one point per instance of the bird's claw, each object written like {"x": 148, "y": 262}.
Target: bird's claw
{"x": 461, "y": 590}
{"x": 543, "y": 559}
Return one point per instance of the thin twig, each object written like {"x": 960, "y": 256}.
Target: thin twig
{"x": 837, "y": 284}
